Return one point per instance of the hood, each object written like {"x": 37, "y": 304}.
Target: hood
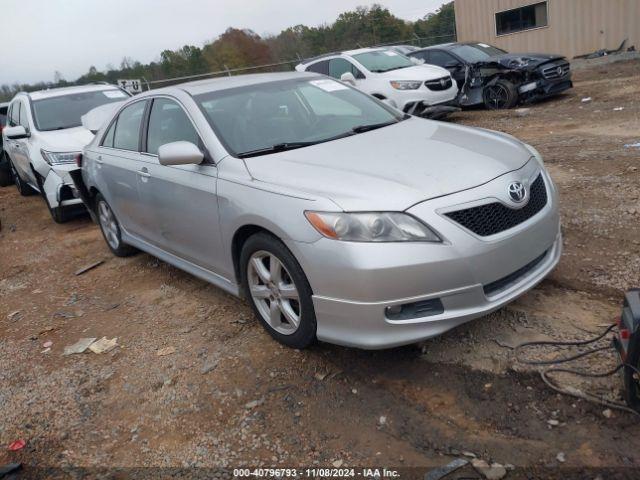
{"x": 67, "y": 140}
{"x": 417, "y": 72}
{"x": 394, "y": 167}
{"x": 523, "y": 61}
{"x": 94, "y": 119}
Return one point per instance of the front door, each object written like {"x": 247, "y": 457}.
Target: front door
{"x": 182, "y": 198}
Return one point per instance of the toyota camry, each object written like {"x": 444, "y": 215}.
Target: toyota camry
{"x": 337, "y": 217}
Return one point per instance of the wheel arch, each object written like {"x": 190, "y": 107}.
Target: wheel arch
{"x": 238, "y": 240}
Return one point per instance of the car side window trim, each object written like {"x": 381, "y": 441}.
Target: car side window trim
{"x": 114, "y": 120}
{"x": 208, "y": 160}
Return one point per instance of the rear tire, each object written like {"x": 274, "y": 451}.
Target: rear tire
{"x": 6, "y": 178}
{"x": 278, "y": 291}
{"x": 500, "y": 96}
{"x": 110, "y": 228}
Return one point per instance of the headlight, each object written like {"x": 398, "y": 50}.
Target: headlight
{"x": 406, "y": 84}
{"x": 534, "y": 152}
{"x": 371, "y": 227}
{"x": 59, "y": 158}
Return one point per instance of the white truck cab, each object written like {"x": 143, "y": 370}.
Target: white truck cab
{"x": 44, "y": 137}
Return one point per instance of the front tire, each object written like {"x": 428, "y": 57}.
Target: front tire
{"x": 23, "y": 188}
{"x": 111, "y": 229}
{"x": 58, "y": 214}
{"x": 278, "y": 291}
{"x": 500, "y": 96}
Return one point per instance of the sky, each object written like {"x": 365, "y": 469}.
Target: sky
{"x": 71, "y": 35}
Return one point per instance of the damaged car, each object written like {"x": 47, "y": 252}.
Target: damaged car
{"x": 44, "y": 136}
{"x": 489, "y": 75}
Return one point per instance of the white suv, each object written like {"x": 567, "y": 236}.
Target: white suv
{"x": 44, "y": 136}
{"x": 422, "y": 90}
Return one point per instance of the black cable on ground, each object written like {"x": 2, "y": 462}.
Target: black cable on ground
{"x": 574, "y": 392}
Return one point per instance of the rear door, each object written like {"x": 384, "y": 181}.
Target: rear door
{"x": 180, "y": 198}
{"x": 19, "y": 151}
{"x": 118, "y": 163}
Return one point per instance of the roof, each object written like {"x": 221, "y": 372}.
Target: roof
{"x": 446, "y": 46}
{"x": 224, "y": 83}
{"x": 57, "y": 92}
{"x": 344, "y": 52}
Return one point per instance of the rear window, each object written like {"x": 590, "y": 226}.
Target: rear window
{"x": 65, "y": 111}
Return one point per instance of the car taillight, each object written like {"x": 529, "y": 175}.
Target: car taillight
{"x": 79, "y": 160}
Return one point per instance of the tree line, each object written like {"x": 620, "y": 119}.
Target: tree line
{"x": 239, "y": 48}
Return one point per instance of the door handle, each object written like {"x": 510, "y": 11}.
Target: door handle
{"x": 99, "y": 160}
{"x": 144, "y": 173}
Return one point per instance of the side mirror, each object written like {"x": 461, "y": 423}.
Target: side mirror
{"x": 453, "y": 65}
{"x": 348, "y": 77}
{"x": 16, "y": 133}
{"x": 180, "y": 153}
{"x": 417, "y": 61}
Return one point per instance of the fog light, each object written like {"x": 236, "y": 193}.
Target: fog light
{"x": 407, "y": 311}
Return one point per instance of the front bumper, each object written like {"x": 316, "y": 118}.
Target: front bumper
{"x": 355, "y": 283}
{"x": 59, "y": 187}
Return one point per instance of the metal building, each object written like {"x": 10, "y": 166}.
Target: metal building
{"x": 568, "y": 27}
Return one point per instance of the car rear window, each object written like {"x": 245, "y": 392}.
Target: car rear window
{"x": 65, "y": 111}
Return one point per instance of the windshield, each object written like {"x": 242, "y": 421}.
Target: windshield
{"x": 476, "y": 52}
{"x": 383, "y": 61}
{"x": 57, "y": 113}
{"x": 290, "y": 113}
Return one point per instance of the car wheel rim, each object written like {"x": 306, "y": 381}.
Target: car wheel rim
{"x": 109, "y": 225}
{"x": 273, "y": 292}
{"x": 497, "y": 96}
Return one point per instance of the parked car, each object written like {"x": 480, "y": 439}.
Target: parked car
{"x": 44, "y": 136}
{"x": 489, "y": 75}
{"x": 5, "y": 172}
{"x": 421, "y": 90}
{"x": 336, "y": 216}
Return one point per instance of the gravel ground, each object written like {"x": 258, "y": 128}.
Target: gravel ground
{"x": 195, "y": 382}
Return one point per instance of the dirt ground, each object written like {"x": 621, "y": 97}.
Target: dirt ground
{"x": 229, "y": 396}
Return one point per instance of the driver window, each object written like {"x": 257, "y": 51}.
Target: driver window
{"x": 339, "y": 66}
{"x": 24, "y": 121}
{"x": 169, "y": 123}
{"x": 440, "y": 58}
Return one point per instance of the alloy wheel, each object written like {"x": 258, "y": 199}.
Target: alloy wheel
{"x": 274, "y": 292}
{"x": 109, "y": 224}
{"x": 498, "y": 96}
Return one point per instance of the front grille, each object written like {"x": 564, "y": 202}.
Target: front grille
{"x": 504, "y": 283}
{"x": 493, "y": 218}
{"x": 552, "y": 72}
{"x": 439, "y": 84}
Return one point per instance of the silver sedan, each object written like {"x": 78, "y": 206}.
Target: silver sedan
{"x": 337, "y": 217}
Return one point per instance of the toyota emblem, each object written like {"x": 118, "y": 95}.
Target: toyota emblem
{"x": 517, "y": 192}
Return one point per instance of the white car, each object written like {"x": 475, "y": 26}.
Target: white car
{"x": 44, "y": 136}
{"x": 421, "y": 90}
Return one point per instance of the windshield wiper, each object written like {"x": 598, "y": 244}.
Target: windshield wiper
{"x": 278, "y": 147}
{"x": 373, "y": 126}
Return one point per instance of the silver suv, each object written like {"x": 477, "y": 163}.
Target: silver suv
{"x": 337, "y": 217}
